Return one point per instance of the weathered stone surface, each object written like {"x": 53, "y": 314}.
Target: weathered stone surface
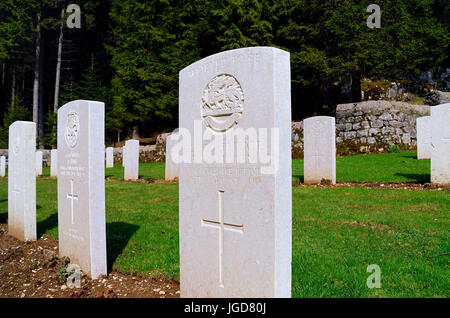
{"x": 320, "y": 150}
{"x": 22, "y": 181}
{"x": 38, "y": 163}
{"x": 54, "y": 163}
{"x": 131, "y": 160}
{"x": 81, "y": 185}
{"x": 440, "y": 141}
{"x": 235, "y": 218}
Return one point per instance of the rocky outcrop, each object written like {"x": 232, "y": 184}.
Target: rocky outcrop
{"x": 436, "y": 98}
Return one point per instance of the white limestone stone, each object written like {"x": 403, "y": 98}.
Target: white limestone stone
{"x": 319, "y": 149}
{"x": 109, "y": 157}
{"x": 235, "y": 217}
{"x": 22, "y": 181}
{"x": 81, "y": 185}
{"x": 171, "y": 165}
{"x": 54, "y": 163}
{"x": 440, "y": 144}
{"x": 2, "y": 166}
{"x": 131, "y": 159}
{"x": 38, "y": 163}
{"x": 124, "y": 153}
{"x": 423, "y": 127}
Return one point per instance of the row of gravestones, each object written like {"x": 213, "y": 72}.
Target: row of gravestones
{"x": 235, "y": 218}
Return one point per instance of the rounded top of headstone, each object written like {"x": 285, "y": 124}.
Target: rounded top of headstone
{"x": 245, "y": 50}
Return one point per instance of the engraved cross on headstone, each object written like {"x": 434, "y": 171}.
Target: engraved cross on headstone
{"x": 72, "y": 197}
{"x": 222, "y": 226}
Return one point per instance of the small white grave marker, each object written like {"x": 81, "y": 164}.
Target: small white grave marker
{"x": 22, "y": 181}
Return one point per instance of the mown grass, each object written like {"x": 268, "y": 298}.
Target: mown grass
{"x": 392, "y": 167}
{"x": 337, "y": 232}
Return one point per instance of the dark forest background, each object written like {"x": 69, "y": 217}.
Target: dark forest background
{"x": 128, "y": 53}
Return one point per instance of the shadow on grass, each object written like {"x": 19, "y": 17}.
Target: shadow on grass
{"x": 298, "y": 177}
{"x": 415, "y": 177}
{"x": 409, "y": 155}
{"x": 118, "y": 235}
{"x": 3, "y": 217}
{"x": 47, "y": 224}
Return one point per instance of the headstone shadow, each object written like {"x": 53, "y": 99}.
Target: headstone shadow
{"x": 47, "y": 224}
{"x": 415, "y": 177}
{"x": 3, "y": 217}
{"x": 118, "y": 235}
{"x": 408, "y": 155}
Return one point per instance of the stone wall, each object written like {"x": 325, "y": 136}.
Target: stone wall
{"x": 371, "y": 126}
{"x": 151, "y": 153}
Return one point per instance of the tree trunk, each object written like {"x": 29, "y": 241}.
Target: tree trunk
{"x": 37, "y": 71}
{"x": 58, "y": 64}
{"x": 135, "y": 134}
{"x": 356, "y": 88}
{"x": 13, "y": 86}
{"x": 346, "y": 88}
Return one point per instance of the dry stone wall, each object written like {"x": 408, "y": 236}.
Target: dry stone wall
{"x": 371, "y": 126}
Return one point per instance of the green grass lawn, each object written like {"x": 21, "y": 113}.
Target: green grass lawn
{"x": 337, "y": 232}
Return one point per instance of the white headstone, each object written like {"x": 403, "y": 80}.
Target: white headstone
{"x": 109, "y": 157}
{"x": 81, "y": 185}
{"x": 22, "y": 181}
{"x": 124, "y": 153}
{"x": 319, "y": 149}
{"x": 423, "y": 125}
{"x": 2, "y": 166}
{"x": 171, "y": 165}
{"x": 440, "y": 144}
{"x": 235, "y": 217}
{"x": 54, "y": 163}
{"x": 131, "y": 159}
{"x": 38, "y": 163}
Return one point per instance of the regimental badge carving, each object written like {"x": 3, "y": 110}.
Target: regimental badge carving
{"x": 72, "y": 129}
{"x": 318, "y": 128}
{"x": 222, "y": 102}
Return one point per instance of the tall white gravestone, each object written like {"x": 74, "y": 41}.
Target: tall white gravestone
{"x": 423, "y": 127}
{"x": 22, "y": 181}
{"x": 109, "y": 157}
{"x": 2, "y": 166}
{"x": 38, "y": 163}
{"x": 54, "y": 163}
{"x": 319, "y": 149}
{"x": 131, "y": 160}
{"x": 235, "y": 218}
{"x": 171, "y": 165}
{"x": 440, "y": 144}
{"x": 81, "y": 185}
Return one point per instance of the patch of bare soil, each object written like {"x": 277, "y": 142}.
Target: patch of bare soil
{"x": 34, "y": 270}
{"x": 405, "y": 186}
